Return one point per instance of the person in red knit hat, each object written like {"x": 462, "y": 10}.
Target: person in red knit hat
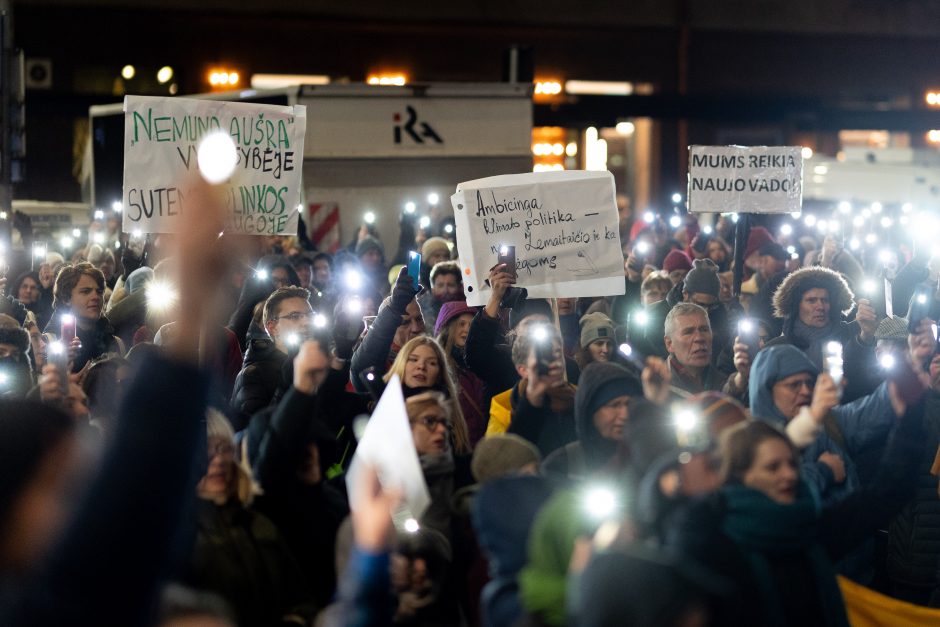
{"x": 677, "y": 264}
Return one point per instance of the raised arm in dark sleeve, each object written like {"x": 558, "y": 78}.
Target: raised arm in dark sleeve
{"x": 846, "y": 523}
{"x": 110, "y": 563}
{"x": 487, "y": 356}
{"x": 373, "y": 350}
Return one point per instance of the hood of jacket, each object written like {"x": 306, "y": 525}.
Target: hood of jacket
{"x": 772, "y": 364}
{"x": 504, "y": 538}
{"x": 601, "y": 382}
{"x": 786, "y": 299}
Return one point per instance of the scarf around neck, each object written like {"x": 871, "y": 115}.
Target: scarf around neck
{"x": 810, "y": 339}
{"x": 764, "y": 529}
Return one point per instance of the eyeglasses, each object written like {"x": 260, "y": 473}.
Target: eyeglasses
{"x": 795, "y": 386}
{"x": 296, "y": 316}
{"x": 222, "y": 448}
{"x": 431, "y": 423}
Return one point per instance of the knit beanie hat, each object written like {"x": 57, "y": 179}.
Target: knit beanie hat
{"x": 433, "y": 245}
{"x": 369, "y": 243}
{"x": 531, "y": 307}
{"x": 892, "y": 328}
{"x": 138, "y": 279}
{"x": 614, "y": 379}
{"x": 500, "y": 455}
{"x": 756, "y": 240}
{"x": 773, "y": 249}
{"x": 676, "y": 260}
{"x": 703, "y": 278}
{"x": 449, "y": 311}
{"x": 596, "y": 326}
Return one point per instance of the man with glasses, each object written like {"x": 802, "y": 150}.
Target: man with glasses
{"x": 287, "y": 318}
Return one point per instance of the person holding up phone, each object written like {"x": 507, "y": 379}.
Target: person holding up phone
{"x": 79, "y": 292}
{"x": 812, "y": 302}
{"x": 542, "y": 402}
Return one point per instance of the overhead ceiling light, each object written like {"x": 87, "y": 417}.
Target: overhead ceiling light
{"x": 599, "y": 88}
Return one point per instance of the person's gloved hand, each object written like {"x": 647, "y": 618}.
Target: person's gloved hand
{"x": 403, "y": 292}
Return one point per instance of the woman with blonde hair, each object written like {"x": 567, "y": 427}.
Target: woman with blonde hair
{"x": 239, "y": 554}
{"x": 421, "y": 363}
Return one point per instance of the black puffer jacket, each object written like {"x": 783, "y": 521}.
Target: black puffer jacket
{"x": 914, "y": 535}
{"x": 258, "y": 380}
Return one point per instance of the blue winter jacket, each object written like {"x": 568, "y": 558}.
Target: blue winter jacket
{"x": 851, "y": 429}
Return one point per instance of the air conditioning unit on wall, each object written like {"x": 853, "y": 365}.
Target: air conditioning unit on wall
{"x": 38, "y": 74}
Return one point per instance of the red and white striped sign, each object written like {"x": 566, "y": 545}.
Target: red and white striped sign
{"x": 324, "y": 226}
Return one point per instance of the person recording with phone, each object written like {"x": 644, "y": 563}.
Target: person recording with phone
{"x": 399, "y": 320}
{"x": 287, "y": 318}
{"x": 812, "y": 302}
{"x": 79, "y": 304}
{"x": 541, "y": 404}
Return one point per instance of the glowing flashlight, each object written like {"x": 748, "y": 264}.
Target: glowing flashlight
{"x": 216, "y": 157}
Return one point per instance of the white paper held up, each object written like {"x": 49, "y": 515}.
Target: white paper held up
{"x": 388, "y": 446}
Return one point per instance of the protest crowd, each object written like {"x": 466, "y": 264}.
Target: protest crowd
{"x": 748, "y": 435}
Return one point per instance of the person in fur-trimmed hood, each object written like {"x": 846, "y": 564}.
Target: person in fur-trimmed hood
{"x": 812, "y": 302}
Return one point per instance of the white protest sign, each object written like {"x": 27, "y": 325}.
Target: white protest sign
{"x": 564, "y": 226}
{"x": 388, "y": 446}
{"x": 745, "y": 179}
{"x": 161, "y": 137}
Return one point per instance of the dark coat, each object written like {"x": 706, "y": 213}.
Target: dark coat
{"x": 95, "y": 342}
{"x": 110, "y": 561}
{"x": 307, "y": 515}
{"x": 842, "y": 526}
{"x": 375, "y": 350}
{"x": 258, "y": 380}
{"x": 241, "y": 556}
{"x": 590, "y": 452}
{"x": 914, "y": 534}
{"x": 548, "y": 430}
{"x": 489, "y": 357}
{"x": 504, "y": 540}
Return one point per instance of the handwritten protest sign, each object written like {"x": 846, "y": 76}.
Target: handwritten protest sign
{"x": 161, "y": 137}
{"x": 745, "y": 179}
{"x": 388, "y": 446}
{"x": 564, "y": 226}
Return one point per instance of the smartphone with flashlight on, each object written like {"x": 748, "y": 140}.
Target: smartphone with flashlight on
{"x": 832, "y": 362}
{"x": 372, "y": 383}
{"x": 58, "y": 356}
{"x": 747, "y": 334}
{"x": 414, "y": 268}
{"x": 544, "y": 350}
{"x": 921, "y": 304}
{"x": 507, "y": 256}
{"x": 67, "y": 330}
